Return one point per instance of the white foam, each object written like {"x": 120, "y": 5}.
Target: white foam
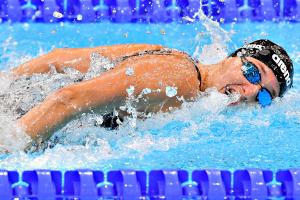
{"x": 12, "y": 137}
{"x": 5, "y": 81}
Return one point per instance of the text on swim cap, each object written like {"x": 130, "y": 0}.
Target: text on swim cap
{"x": 253, "y": 46}
{"x": 283, "y": 68}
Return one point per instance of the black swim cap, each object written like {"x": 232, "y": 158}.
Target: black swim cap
{"x": 274, "y": 56}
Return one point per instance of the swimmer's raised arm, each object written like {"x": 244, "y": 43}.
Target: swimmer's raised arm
{"x": 77, "y": 58}
{"x": 109, "y": 91}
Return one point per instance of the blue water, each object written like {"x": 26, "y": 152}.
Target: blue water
{"x": 204, "y": 134}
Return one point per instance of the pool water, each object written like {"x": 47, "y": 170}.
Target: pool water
{"x": 203, "y": 134}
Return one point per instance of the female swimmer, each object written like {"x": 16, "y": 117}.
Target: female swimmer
{"x": 259, "y": 71}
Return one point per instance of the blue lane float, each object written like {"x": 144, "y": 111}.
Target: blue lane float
{"x": 146, "y": 10}
{"x": 208, "y": 184}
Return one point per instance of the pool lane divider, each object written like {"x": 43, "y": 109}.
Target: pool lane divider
{"x": 157, "y": 11}
{"x": 85, "y": 184}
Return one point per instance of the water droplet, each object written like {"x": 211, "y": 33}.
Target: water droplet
{"x": 98, "y": 65}
{"x": 98, "y": 120}
{"x": 122, "y": 108}
{"x": 171, "y": 91}
{"x": 79, "y": 17}
{"x": 146, "y": 91}
{"x": 116, "y": 113}
{"x": 130, "y": 90}
{"x": 129, "y": 71}
{"x": 26, "y": 26}
{"x": 57, "y": 14}
{"x": 119, "y": 121}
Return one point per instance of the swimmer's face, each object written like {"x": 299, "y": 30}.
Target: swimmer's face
{"x": 237, "y": 82}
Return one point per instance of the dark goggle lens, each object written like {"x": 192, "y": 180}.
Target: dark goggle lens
{"x": 264, "y": 97}
{"x": 251, "y": 73}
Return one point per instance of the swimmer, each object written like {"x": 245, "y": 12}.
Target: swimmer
{"x": 259, "y": 71}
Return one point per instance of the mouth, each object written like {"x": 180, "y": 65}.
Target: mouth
{"x": 227, "y": 90}
{"x": 234, "y": 96}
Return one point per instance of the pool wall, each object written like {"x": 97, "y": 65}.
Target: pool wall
{"x": 146, "y": 10}
{"x": 156, "y": 185}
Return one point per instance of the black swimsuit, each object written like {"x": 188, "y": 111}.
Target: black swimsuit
{"x": 110, "y": 120}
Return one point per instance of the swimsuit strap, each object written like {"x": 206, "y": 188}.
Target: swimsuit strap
{"x": 164, "y": 51}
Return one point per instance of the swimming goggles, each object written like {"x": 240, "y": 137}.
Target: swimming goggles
{"x": 252, "y": 74}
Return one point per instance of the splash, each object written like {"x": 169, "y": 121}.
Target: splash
{"x": 13, "y": 138}
{"x": 217, "y": 48}
{"x": 19, "y": 94}
{"x": 98, "y": 65}
{"x": 135, "y": 137}
{"x": 82, "y": 140}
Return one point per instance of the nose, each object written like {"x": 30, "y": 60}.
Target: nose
{"x": 250, "y": 92}
{"x": 247, "y": 91}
